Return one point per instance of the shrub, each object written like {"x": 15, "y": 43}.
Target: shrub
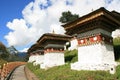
{"x": 2, "y": 62}
{"x": 71, "y": 56}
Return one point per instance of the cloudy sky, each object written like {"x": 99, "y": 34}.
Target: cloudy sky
{"x": 22, "y": 22}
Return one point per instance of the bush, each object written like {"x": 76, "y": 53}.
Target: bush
{"x": 116, "y": 41}
{"x": 117, "y": 52}
{"x": 71, "y": 56}
{"x": 2, "y": 62}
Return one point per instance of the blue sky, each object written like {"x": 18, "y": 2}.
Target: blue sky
{"x": 22, "y": 22}
{"x": 10, "y": 9}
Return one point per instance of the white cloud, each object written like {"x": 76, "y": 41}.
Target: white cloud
{"x": 114, "y": 5}
{"x": 42, "y": 16}
{"x": 18, "y": 33}
{"x": 57, "y": 29}
{"x": 24, "y": 50}
{"x": 116, "y": 33}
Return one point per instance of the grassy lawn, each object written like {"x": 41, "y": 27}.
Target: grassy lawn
{"x": 65, "y": 73}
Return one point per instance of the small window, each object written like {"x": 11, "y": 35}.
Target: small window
{"x": 111, "y": 69}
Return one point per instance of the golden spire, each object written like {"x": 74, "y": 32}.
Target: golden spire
{"x": 92, "y": 10}
{"x": 53, "y": 31}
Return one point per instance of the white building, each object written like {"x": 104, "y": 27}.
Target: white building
{"x": 73, "y": 44}
{"x": 53, "y": 49}
{"x": 36, "y": 54}
{"x": 95, "y": 47}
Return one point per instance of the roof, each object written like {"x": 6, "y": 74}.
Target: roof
{"x": 46, "y": 38}
{"x": 34, "y": 47}
{"x": 54, "y": 46}
{"x": 53, "y": 37}
{"x": 116, "y": 15}
{"x": 101, "y": 12}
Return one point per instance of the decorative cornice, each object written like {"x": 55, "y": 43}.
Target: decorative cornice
{"x": 53, "y": 50}
{"x": 95, "y": 39}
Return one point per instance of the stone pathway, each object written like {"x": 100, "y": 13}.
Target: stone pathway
{"x": 23, "y": 73}
{"x": 18, "y": 74}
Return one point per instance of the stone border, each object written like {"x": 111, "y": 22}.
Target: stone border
{"x": 29, "y": 74}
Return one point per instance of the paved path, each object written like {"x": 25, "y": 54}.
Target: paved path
{"x": 19, "y": 74}
{"x": 23, "y": 73}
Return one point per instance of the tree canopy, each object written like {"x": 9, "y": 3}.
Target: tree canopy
{"x": 68, "y": 17}
{"x": 3, "y": 51}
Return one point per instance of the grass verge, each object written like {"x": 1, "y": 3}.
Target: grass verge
{"x": 65, "y": 73}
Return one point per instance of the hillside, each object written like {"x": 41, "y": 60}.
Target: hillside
{"x": 65, "y": 73}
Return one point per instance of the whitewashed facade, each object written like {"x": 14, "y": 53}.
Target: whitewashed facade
{"x": 32, "y": 58}
{"x": 95, "y": 55}
{"x": 36, "y": 59}
{"x": 73, "y": 44}
{"x": 52, "y": 59}
{"x": 95, "y": 46}
{"x": 39, "y": 59}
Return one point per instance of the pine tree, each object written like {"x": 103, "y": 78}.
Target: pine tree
{"x": 68, "y": 17}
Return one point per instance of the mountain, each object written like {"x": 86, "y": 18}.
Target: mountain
{"x": 12, "y": 50}
{"x": 22, "y": 54}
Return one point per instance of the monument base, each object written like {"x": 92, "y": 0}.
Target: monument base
{"x": 93, "y": 67}
{"x": 52, "y": 59}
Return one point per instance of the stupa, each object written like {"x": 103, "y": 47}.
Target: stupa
{"x": 53, "y": 49}
{"x": 95, "y": 46}
{"x": 36, "y": 54}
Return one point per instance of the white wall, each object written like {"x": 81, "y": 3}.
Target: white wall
{"x": 74, "y": 44}
{"x": 32, "y": 58}
{"x": 36, "y": 59}
{"x": 90, "y": 54}
{"x": 39, "y": 59}
{"x": 98, "y": 56}
{"x": 53, "y": 59}
{"x": 108, "y": 54}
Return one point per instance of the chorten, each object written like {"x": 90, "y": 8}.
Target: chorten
{"x": 36, "y": 54}
{"x": 53, "y": 49}
{"x": 95, "y": 46}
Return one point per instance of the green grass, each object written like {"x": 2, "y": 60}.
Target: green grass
{"x": 118, "y": 72}
{"x": 65, "y": 73}
{"x": 116, "y": 41}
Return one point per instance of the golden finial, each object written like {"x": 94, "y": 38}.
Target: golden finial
{"x": 92, "y": 10}
{"x": 53, "y": 31}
